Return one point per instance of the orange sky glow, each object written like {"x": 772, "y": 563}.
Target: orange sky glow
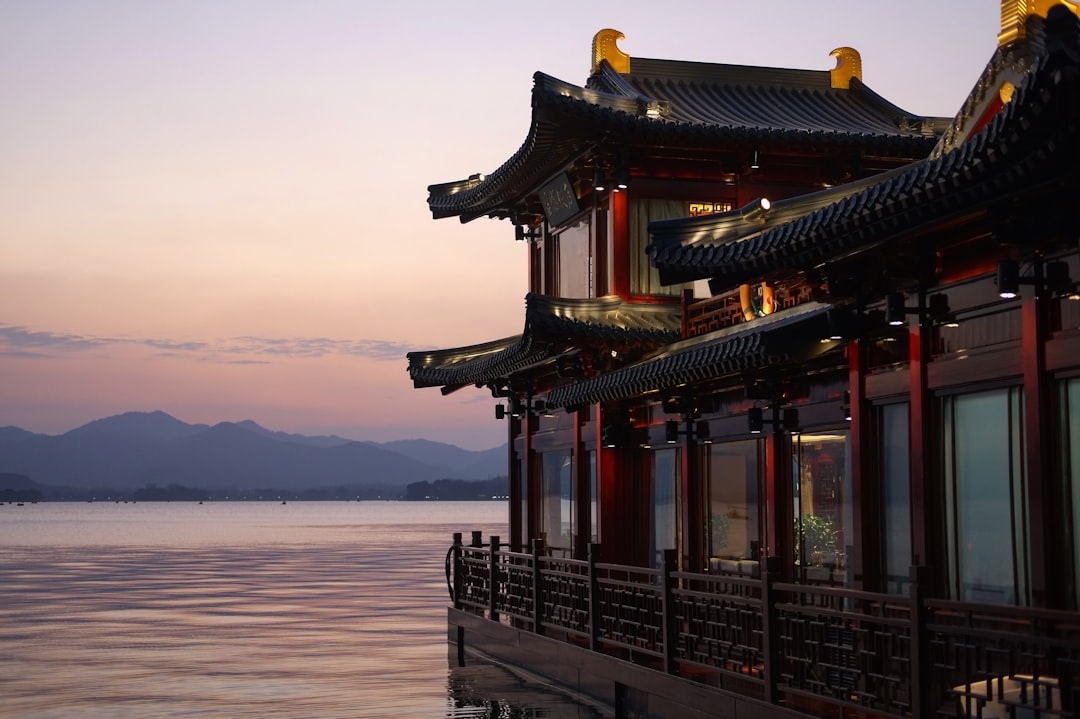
{"x": 218, "y": 209}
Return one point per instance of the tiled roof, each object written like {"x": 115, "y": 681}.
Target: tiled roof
{"x": 762, "y": 102}
{"x": 474, "y": 364}
{"x": 552, "y": 325}
{"x": 674, "y": 105}
{"x": 1032, "y": 140}
{"x": 781, "y": 337}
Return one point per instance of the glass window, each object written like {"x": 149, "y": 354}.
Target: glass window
{"x": 574, "y": 259}
{"x": 733, "y": 531}
{"x": 984, "y": 461}
{"x": 823, "y": 508}
{"x": 1070, "y": 462}
{"x": 558, "y": 503}
{"x": 895, "y": 495}
{"x": 664, "y": 527}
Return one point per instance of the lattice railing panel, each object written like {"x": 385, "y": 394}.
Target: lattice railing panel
{"x": 720, "y": 621}
{"x": 475, "y": 580}
{"x": 844, "y": 646}
{"x": 516, "y": 596}
{"x": 1004, "y": 661}
{"x": 565, "y": 588}
{"x": 631, "y": 601}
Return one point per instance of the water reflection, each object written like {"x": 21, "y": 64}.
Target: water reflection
{"x": 488, "y": 691}
{"x": 324, "y": 610}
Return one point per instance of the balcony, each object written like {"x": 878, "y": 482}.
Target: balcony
{"x": 807, "y": 650}
{"x": 726, "y": 310}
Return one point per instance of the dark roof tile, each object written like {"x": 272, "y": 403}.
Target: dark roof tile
{"x": 778, "y": 338}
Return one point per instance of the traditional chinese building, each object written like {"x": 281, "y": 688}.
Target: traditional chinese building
{"x": 794, "y": 417}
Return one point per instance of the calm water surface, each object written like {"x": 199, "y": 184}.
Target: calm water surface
{"x": 233, "y": 609}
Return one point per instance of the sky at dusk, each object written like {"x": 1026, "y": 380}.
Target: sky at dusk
{"x": 217, "y": 208}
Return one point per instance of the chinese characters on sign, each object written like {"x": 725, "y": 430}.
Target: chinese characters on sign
{"x": 708, "y": 208}
{"x": 559, "y": 201}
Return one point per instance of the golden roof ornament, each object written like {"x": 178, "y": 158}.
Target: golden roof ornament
{"x": 604, "y": 47}
{"x": 848, "y": 65}
{"x": 1014, "y": 15}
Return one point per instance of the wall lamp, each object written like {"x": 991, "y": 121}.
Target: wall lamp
{"x": 756, "y": 209}
{"x": 1053, "y": 277}
{"x": 845, "y": 406}
{"x": 622, "y": 179}
{"x": 1008, "y": 279}
{"x": 787, "y": 419}
{"x": 936, "y": 309}
{"x": 698, "y": 431}
{"x": 600, "y": 181}
{"x": 842, "y": 324}
{"x": 523, "y": 233}
{"x": 755, "y": 160}
{"x": 613, "y": 435}
{"x": 517, "y": 410}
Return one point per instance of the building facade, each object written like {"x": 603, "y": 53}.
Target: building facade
{"x": 794, "y": 418}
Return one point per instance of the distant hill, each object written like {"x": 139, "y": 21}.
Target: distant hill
{"x": 14, "y": 434}
{"x": 456, "y": 461}
{"x": 17, "y": 488}
{"x": 157, "y": 425}
{"x": 137, "y": 449}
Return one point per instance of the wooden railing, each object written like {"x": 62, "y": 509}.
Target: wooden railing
{"x": 826, "y": 651}
{"x": 722, "y": 311}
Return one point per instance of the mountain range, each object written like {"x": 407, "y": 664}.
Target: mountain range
{"x": 137, "y": 449}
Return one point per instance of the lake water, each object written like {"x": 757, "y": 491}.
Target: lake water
{"x": 242, "y": 609}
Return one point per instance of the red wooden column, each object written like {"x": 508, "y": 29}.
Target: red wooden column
{"x": 693, "y": 519}
{"x": 616, "y": 512}
{"x": 924, "y": 543}
{"x": 534, "y": 480}
{"x": 780, "y": 493}
{"x": 866, "y": 484}
{"x": 1045, "y": 515}
{"x": 517, "y": 496}
{"x": 618, "y": 228}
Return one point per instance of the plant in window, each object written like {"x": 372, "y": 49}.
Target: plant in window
{"x": 816, "y": 534}
{"x": 719, "y": 524}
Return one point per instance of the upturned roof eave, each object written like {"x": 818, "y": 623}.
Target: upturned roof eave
{"x": 551, "y": 325}
{"x": 567, "y": 120}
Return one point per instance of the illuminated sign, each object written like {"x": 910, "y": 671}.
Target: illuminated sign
{"x": 708, "y": 208}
